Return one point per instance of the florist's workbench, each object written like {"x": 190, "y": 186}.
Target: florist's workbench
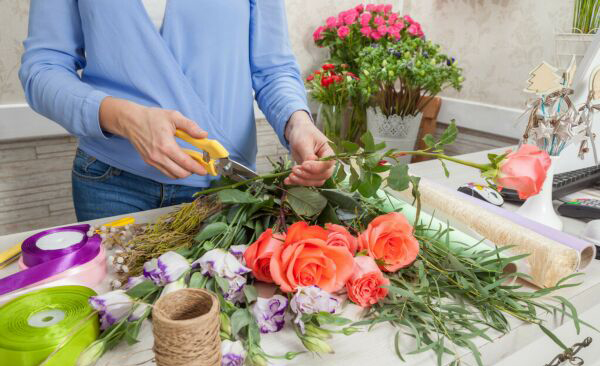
{"x": 524, "y": 345}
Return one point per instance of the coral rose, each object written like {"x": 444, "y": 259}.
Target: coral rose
{"x": 311, "y": 262}
{"x": 365, "y": 285}
{"x": 338, "y": 236}
{"x": 301, "y": 230}
{"x": 258, "y": 255}
{"x": 524, "y": 170}
{"x": 389, "y": 239}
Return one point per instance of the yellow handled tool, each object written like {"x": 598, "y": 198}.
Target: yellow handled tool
{"x": 10, "y": 255}
{"x": 213, "y": 151}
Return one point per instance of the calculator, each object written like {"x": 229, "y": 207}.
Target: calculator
{"x": 581, "y": 208}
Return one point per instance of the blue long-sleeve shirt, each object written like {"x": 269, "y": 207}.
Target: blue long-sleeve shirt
{"x": 206, "y": 62}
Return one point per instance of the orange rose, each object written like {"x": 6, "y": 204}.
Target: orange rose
{"x": 311, "y": 262}
{"x": 301, "y": 230}
{"x": 389, "y": 239}
{"x": 364, "y": 287}
{"x": 338, "y": 236}
{"x": 258, "y": 255}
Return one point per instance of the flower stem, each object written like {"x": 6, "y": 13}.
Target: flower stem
{"x": 482, "y": 167}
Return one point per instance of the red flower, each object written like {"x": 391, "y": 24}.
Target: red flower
{"x": 317, "y": 72}
{"x": 352, "y": 75}
{"x": 337, "y": 78}
{"x": 310, "y": 78}
{"x": 328, "y": 67}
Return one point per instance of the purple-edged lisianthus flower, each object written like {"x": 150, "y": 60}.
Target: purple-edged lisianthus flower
{"x": 310, "y": 300}
{"x": 233, "y": 353}
{"x": 112, "y": 307}
{"x": 219, "y": 262}
{"x": 235, "y": 292}
{"x": 269, "y": 313}
{"x": 238, "y": 252}
{"x": 166, "y": 269}
{"x": 138, "y": 312}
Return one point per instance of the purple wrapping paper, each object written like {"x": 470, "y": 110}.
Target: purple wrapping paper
{"x": 46, "y": 263}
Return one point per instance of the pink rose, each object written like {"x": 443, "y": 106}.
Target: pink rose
{"x": 382, "y": 29}
{"x": 392, "y": 18}
{"x": 343, "y": 32}
{"x": 409, "y": 19}
{"x": 350, "y": 16}
{"x": 330, "y": 22}
{"x": 370, "y": 7}
{"x": 338, "y": 236}
{"x": 399, "y": 26}
{"x": 340, "y": 21}
{"x": 318, "y": 34}
{"x": 387, "y": 8}
{"x": 376, "y": 35}
{"x": 524, "y": 171}
{"x": 379, "y": 20}
{"x": 394, "y": 32}
{"x": 359, "y": 8}
{"x": 365, "y": 19}
{"x": 366, "y": 31}
{"x": 380, "y": 8}
{"x": 365, "y": 285}
{"x": 415, "y": 30}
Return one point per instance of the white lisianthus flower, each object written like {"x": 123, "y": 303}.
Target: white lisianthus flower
{"x": 310, "y": 300}
{"x": 219, "y": 262}
{"x": 167, "y": 268}
{"x": 112, "y": 307}
{"x": 238, "y": 252}
{"x": 269, "y": 313}
{"x": 233, "y": 353}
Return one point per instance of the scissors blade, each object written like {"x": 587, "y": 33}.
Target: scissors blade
{"x": 235, "y": 170}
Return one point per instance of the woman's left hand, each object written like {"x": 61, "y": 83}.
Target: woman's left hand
{"x": 307, "y": 144}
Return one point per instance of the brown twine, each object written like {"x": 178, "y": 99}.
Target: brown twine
{"x": 186, "y": 329}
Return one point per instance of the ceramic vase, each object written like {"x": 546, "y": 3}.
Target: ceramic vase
{"x": 539, "y": 207}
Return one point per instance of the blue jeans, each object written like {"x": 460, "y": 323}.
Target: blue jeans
{"x": 100, "y": 190}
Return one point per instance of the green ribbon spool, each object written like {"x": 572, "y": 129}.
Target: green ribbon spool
{"x": 32, "y": 326}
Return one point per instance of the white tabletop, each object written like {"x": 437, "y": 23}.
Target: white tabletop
{"x": 524, "y": 345}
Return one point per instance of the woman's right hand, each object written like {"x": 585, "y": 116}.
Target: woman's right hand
{"x": 152, "y": 133}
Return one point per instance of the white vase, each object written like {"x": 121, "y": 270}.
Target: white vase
{"x": 397, "y": 132}
{"x": 539, "y": 207}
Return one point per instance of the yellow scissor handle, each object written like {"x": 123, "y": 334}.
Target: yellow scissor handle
{"x": 214, "y": 149}
{"x": 9, "y": 254}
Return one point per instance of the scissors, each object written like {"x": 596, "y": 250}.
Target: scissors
{"x": 215, "y": 158}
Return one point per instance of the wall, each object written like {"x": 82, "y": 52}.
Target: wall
{"x": 496, "y": 42}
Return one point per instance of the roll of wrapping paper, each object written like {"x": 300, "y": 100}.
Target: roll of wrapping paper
{"x": 34, "y": 325}
{"x": 553, "y": 254}
{"x": 44, "y": 263}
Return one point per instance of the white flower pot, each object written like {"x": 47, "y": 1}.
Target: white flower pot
{"x": 397, "y": 132}
{"x": 569, "y": 44}
{"x": 539, "y": 207}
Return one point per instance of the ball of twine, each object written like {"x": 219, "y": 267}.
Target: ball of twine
{"x": 186, "y": 325}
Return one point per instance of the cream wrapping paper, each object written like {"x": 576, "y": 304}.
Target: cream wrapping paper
{"x": 553, "y": 254}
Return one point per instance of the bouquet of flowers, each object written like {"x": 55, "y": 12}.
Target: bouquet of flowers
{"x": 403, "y": 77}
{"x": 323, "y": 246}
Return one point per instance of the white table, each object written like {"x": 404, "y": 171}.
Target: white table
{"x": 524, "y": 345}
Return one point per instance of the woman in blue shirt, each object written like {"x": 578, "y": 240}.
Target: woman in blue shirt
{"x": 102, "y": 70}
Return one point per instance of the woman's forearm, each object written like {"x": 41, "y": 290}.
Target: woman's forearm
{"x": 116, "y": 115}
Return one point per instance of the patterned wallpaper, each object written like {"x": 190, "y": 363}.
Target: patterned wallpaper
{"x": 497, "y": 42}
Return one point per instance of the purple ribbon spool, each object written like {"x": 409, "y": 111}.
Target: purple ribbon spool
{"x": 47, "y": 263}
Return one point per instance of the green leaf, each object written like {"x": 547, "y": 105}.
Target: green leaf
{"x": 354, "y": 179}
{"x": 350, "y": 147}
{"x": 397, "y": 346}
{"x": 368, "y": 141}
{"x": 340, "y": 175}
{"x": 449, "y": 135}
{"x": 197, "y": 280}
{"x": 446, "y": 171}
{"x": 142, "y": 289}
{"x": 552, "y": 336}
{"x": 305, "y": 202}
{"x": 399, "y": 179}
{"x": 250, "y": 293}
{"x": 332, "y": 319}
{"x": 341, "y": 199}
{"x": 236, "y": 196}
{"x": 223, "y": 284}
{"x": 211, "y": 230}
{"x": 239, "y": 319}
{"x": 429, "y": 140}
{"x": 369, "y": 185}
{"x": 133, "y": 329}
